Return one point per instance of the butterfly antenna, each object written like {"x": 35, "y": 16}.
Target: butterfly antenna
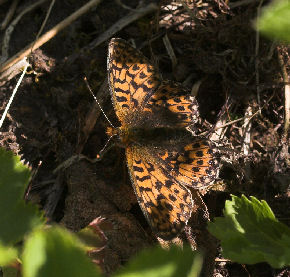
{"x": 86, "y": 81}
{"x": 100, "y": 154}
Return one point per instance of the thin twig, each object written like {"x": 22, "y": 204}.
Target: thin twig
{"x": 233, "y": 122}
{"x": 286, "y": 92}
{"x": 9, "y": 15}
{"x": 43, "y": 23}
{"x": 48, "y": 35}
{"x": 12, "y": 96}
{"x": 123, "y": 22}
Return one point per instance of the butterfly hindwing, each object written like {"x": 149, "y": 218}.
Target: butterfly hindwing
{"x": 171, "y": 105}
{"x": 195, "y": 164}
{"x": 166, "y": 204}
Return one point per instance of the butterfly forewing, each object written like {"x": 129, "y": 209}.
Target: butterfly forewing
{"x": 132, "y": 79}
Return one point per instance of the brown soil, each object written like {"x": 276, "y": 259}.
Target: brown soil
{"x": 53, "y": 116}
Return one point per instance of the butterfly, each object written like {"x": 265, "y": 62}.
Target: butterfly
{"x": 163, "y": 158}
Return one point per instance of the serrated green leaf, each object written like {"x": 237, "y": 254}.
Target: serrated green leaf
{"x": 18, "y": 221}
{"x": 250, "y": 233}
{"x": 7, "y": 255}
{"x": 58, "y": 253}
{"x": 274, "y": 21}
{"x": 157, "y": 262}
{"x": 16, "y": 217}
{"x": 14, "y": 177}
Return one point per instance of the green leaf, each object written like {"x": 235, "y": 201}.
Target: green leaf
{"x": 16, "y": 217}
{"x": 14, "y": 177}
{"x": 58, "y": 253}
{"x": 250, "y": 233}
{"x": 275, "y": 20}
{"x": 157, "y": 262}
{"x": 7, "y": 255}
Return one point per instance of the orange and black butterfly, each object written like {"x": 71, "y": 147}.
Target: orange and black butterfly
{"x": 162, "y": 156}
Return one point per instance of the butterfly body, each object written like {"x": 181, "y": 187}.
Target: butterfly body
{"x": 157, "y": 137}
{"x": 163, "y": 158}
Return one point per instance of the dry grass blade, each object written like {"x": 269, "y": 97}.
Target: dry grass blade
{"x": 170, "y": 51}
{"x": 12, "y": 96}
{"x": 247, "y": 126}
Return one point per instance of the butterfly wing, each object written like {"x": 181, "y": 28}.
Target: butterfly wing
{"x": 132, "y": 79}
{"x": 171, "y": 105}
{"x": 140, "y": 97}
{"x": 166, "y": 204}
{"x": 194, "y": 163}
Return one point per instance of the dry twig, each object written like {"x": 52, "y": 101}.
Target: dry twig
{"x": 12, "y": 71}
{"x": 44, "y": 22}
